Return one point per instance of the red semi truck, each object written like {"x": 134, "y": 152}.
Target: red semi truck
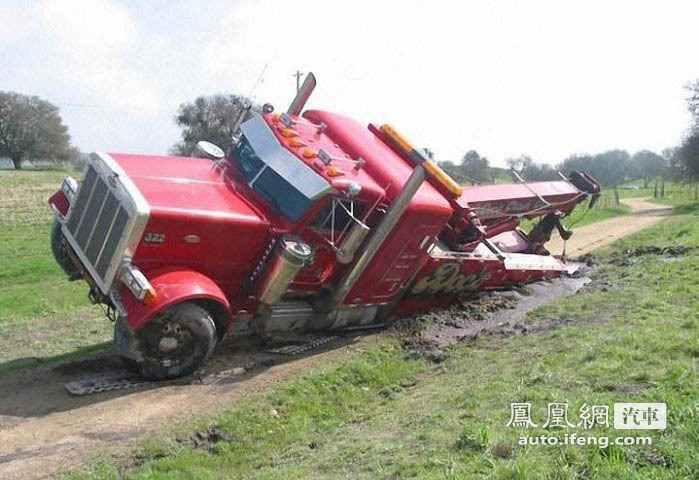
{"x": 309, "y": 221}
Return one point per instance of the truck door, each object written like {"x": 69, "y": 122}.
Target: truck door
{"x": 399, "y": 264}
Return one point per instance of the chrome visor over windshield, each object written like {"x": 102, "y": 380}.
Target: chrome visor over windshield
{"x": 270, "y": 150}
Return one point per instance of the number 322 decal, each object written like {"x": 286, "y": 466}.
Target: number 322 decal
{"x": 449, "y": 279}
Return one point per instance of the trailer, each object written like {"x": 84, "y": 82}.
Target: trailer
{"x": 309, "y": 221}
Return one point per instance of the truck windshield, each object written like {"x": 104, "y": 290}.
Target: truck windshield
{"x": 276, "y": 174}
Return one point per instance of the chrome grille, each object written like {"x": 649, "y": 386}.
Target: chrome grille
{"x": 97, "y": 223}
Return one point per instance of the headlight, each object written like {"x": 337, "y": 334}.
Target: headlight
{"x": 139, "y": 285}
{"x": 70, "y": 188}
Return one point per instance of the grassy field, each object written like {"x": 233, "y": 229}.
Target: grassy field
{"x": 42, "y": 315}
{"x": 376, "y": 414}
{"x": 675, "y": 193}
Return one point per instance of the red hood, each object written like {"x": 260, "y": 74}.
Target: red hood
{"x": 198, "y": 219}
{"x": 187, "y": 186}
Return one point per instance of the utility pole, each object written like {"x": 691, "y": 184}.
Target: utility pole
{"x": 298, "y": 79}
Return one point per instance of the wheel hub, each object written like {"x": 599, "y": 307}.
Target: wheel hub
{"x": 168, "y": 344}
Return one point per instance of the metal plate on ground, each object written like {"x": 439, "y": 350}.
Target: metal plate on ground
{"x": 103, "y": 384}
{"x": 297, "y": 349}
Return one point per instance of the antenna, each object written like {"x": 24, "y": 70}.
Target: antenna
{"x": 298, "y": 80}
{"x": 247, "y": 105}
{"x": 259, "y": 80}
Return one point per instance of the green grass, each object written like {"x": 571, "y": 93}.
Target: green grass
{"x": 675, "y": 193}
{"x": 42, "y": 315}
{"x": 376, "y": 415}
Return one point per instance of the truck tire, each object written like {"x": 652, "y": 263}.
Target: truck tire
{"x": 175, "y": 343}
{"x": 60, "y": 254}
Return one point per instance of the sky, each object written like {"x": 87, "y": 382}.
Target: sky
{"x": 503, "y": 77}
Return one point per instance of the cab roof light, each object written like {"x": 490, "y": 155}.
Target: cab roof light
{"x": 297, "y": 142}
{"x": 443, "y": 178}
{"x": 333, "y": 171}
{"x": 399, "y": 139}
{"x": 431, "y": 167}
{"x": 309, "y": 153}
{"x": 289, "y": 132}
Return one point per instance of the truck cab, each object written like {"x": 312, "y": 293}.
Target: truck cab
{"x": 309, "y": 221}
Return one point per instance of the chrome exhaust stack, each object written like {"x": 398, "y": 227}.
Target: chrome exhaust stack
{"x": 289, "y": 256}
{"x": 302, "y": 96}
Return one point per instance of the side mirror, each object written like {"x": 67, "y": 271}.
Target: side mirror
{"x": 209, "y": 150}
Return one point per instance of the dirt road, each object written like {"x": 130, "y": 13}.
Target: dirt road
{"x": 43, "y": 430}
{"x": 589, "y": 237}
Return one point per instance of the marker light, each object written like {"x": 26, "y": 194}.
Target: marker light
{"x": 309, "y": 153}
{"x": 289, "y": 132}
{"x": 333, "y": 171}
{"x": 297, "y": 142}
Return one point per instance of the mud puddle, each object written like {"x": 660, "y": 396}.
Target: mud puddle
{"x": 668, "y": 254}
{"x": 487, "y": 313}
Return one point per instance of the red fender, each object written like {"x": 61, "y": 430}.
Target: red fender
{"x": 172, "y": 285}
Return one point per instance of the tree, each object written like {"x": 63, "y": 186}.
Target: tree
{"x": 581, "y": 162}
{"x": 32, "y": 129}
{"x": 610, "y": 168}
{"x": 647, "y": 165}
{"x": 688, "y": 152}
{"x": 208, "y": 118}
{"x": 475, "y": 167}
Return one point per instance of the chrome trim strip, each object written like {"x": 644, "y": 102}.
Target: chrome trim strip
{"x": 87, "y": 202}
{"x": 99, "y": 214}
{"x": 133, "y": 201}
{"x": 106, "y": 237}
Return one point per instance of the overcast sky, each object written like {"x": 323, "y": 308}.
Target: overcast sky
{"x": 544, "y": 78}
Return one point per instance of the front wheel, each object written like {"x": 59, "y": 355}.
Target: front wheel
{"x": 173, "y": 344}
{"x": 60, "y": 253}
